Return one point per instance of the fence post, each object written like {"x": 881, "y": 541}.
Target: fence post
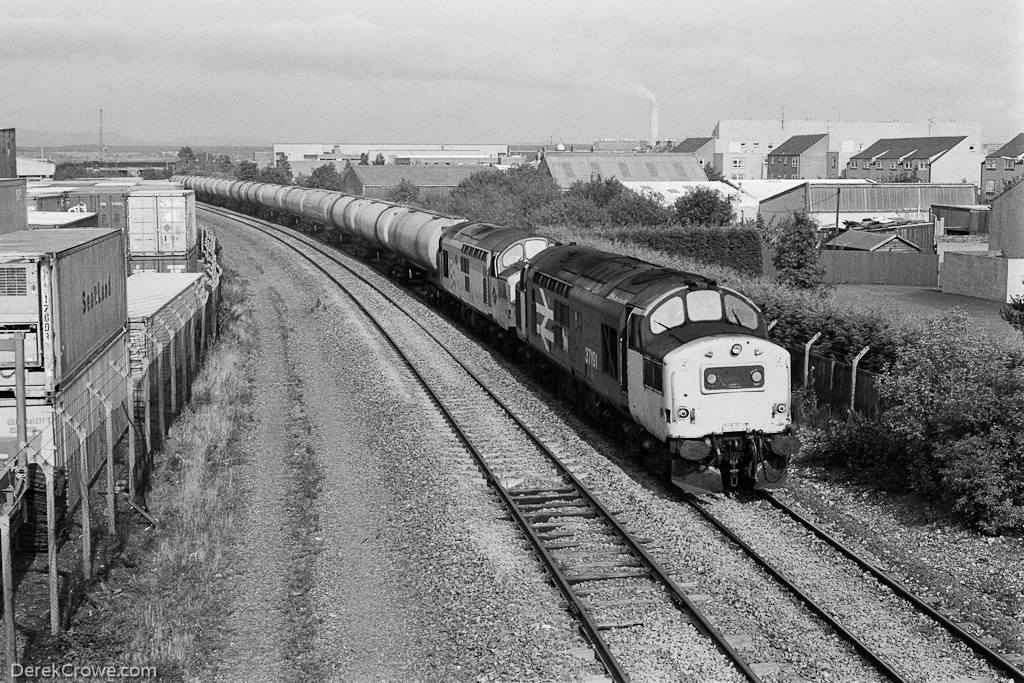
{"x": 171, "y": 337}
{"x": 130, "y": 414}
{"x": 108, "y": 428}
{"x": 807, "y": 356}
{"x": 853, "y": 377}
{"x": 10, "y": 634}
{"x": 159, "y": 387}
{"x": 83, "y": 489}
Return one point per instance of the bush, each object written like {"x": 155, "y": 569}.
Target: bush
{"x": 704, "y": 206}
{"x": 1013, "y": 313}
{"x": 737, "y": 248}
{"x": 952, "y": 428}
{"x": 796, "y": 255}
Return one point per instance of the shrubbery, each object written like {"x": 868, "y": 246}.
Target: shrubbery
{"x": 952, "y": 428}
{"x": 737, "y": 248}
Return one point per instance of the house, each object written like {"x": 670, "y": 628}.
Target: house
{"x": 859, "y": 240}
{"x": 702, "y": 148}
{"x": 927, "y": 160}
{"x": 1006, "y": 222}
{"x": 1002, "y": 167}
{"x": 432, "y": 181}
{"x": 846, "y": 138}
{"x": 803, "y": 156}
{"x": 566, "y": 168}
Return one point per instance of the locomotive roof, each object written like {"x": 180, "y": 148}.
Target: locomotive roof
{"x": 488, "y": 236}
{"x": 614, "y": 276}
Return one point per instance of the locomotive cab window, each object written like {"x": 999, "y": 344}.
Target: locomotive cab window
{"x": 534, "y": 247}
{"x": 705, "y": 304}
{"x": 739, "y": 312}
{"x": 512, "y": 256}
{"x": 671, "y": 313}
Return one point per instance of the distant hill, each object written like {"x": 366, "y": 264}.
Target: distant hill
{"x": 28, "y": 139}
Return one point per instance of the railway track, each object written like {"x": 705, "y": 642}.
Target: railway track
{"x": 604, "y": 573}
{"x": 620, "y": 596}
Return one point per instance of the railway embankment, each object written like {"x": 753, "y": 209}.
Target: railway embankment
{"x": 156, "y": 603}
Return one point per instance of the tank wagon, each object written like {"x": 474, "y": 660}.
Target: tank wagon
{"x": 682, "y": 366}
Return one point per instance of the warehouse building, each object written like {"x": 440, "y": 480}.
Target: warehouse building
{"x": 834, "y": 202}
{"x": 566, "y": 168}
{"x": 431, "y": 181}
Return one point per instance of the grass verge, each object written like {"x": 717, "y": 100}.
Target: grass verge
{"x": 158, "y": 606}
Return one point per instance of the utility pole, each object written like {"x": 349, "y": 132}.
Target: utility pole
{"x": 838, "y": 191}
{"x": 101, "y": 133}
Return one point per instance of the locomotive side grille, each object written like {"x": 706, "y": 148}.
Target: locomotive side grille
{"x": 13, "y": 282}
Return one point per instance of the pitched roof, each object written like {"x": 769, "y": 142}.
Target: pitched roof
{"x": 909, "y": 148}
{"x": 1011, "y": 150}
{"x": 691, "y": 145}
{"x": 866, "y": 241}
{"x": 419, "y": 175}
{"x": 567, "y": 168}
{"x": 798, "y": 144}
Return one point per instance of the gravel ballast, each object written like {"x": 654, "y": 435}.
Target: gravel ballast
{"x": 429, "y": 511}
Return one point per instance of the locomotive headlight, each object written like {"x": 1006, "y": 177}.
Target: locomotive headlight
{"x": 780, "y": 409}
{"x": 756, "y": 376}
{"x": 683, "y": 413}
{"x": 712, "y": 378}
{"x": 736, "y": 349}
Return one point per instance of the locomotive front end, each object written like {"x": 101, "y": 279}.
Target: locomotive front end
{"x": 729, "y": 414}
{"x": 713, "y": 390}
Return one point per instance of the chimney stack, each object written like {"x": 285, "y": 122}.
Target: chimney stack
{"x": 654, "y": 122}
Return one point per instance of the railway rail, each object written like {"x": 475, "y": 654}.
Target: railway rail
{"x": 610, "y": 582}
{"x": 588, "y": 553}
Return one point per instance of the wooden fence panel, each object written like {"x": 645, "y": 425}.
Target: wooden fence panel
{"x": 881, "y": 268}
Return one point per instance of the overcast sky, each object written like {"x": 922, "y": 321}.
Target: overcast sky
{"x": 479, "y": 71}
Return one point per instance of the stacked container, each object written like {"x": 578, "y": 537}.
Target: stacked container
{"x": 65, "y": 289}
{"x": 13, "y": 205}
{"x": 162, "y": 230}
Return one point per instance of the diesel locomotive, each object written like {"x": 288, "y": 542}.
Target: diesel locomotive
{"x": 681, "y": 366}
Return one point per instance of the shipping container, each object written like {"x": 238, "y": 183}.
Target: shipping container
{"x": 109, "y": 202}
{"x": 161, "y": 222}
{"x": 8, "y": 154}
{"x": 60, "y": 219}
{"x": 159, "y": 306}
{"x": 186, "y": 263}
{"x": 47, "y": 198}
{"x": 13, "y": 205}
{"x": 53, "y": 441}
{"x": 66, "y": 290}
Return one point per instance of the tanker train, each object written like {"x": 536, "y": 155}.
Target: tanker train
{"x": 681, "y": 366}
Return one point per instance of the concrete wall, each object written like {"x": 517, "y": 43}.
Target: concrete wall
{"x": 1006, "y": 223}
{"x": 984, "y": 277}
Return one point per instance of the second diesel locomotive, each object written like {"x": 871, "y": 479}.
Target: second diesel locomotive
{"x": 681, "y": 366}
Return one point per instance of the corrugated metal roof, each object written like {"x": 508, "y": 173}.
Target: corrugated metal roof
{"x": 420, "y": 176}
{"x": 670, "y": 191}
{"x": 909, "y": 148}
{"x": 866, "y": 241}
{"x": 897, "y": 197}
{"x": 798, "y": 144}
{"x": 691, "y": 145}
{"x": 569, "y": 168}
{"x": 149, "y": 292}
{"x": 1011, "y": 150}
